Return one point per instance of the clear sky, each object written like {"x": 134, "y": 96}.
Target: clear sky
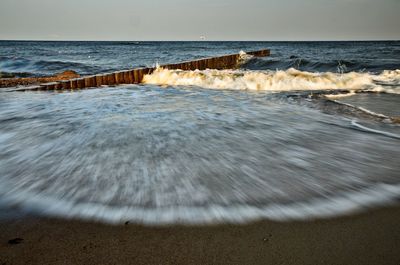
{"x": 190, "y": 19}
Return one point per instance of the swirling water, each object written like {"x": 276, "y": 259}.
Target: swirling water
{"x": 203, "y": 146}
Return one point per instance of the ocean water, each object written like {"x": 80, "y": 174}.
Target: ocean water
{"x": 275, "y": 138}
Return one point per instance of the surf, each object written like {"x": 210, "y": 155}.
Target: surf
{"x": 275, "y": 81}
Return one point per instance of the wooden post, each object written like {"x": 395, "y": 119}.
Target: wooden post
{"x": 186, "y": 66}
{"x": 128, "y": 77}
{"x": 105, "y": 79}
{"x": 136, "y": 75}
{"x": 209, "y": 63}
{"x": 58, "y": 86}
{"x": 66, "y": 85}
{"x": 99, "y": 80}
{"x": 148, "y": 71}
{"x": 90, "y": 81}
{"x": 141, "y": 75}
{"x": 213, "y": 65}
{"x": 74, "y": 84}
{"x": 119, "y": 77}
{"x": 201, "y": 65}
{"x": 195, "y": 65}
{"x": 110, "y": 79}
{"x": 80, "y": 83}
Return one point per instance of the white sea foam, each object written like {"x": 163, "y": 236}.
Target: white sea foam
{"x": 370, "y": 112}
{"x": 391, "y": 76}
{"x": 337, "y": 96}
{"x": 366, "y": 129}
{"x": 275, "y": 81}
{"x": 324, "y": 207}
{"x": 244, "y": 57}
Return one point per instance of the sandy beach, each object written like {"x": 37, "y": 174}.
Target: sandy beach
{"x": 371, "y": 237}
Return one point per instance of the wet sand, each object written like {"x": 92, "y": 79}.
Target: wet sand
{"x": 371, "y": 237}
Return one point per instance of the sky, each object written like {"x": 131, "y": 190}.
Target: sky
{"x": 269, "y": 20}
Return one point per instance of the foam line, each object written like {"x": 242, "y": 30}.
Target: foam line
{"x": 366, "y": 129}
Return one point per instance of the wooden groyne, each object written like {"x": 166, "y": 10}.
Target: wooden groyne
{"x": 135, "y": 76}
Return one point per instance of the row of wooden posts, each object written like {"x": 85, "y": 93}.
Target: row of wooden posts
{"x": 135, "y": 76}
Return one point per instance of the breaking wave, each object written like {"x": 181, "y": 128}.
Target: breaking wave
{"x": 277, "y": 81}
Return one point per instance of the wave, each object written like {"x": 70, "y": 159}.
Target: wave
{"x": 15, "y": 66}
{"x": 318, "y": 65}
{"x": 338, "y": 96}
{"x": 324, "y": 207}
{"x": 275, "y": 81}
{"x": 14, "y": 74}
{"x": 370, "y": 130}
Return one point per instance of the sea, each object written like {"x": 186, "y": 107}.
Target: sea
{"x": 311, "y": 131}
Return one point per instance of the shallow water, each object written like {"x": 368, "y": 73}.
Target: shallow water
{"x": 386, "y": 104}
{"x": 202, "y": 147}
{"x": 180, "y": 154}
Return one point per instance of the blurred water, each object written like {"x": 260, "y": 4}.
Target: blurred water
{"x": 187, "y": 153}
{"x": 178, "y": 153}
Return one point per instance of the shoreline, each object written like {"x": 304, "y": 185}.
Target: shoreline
{"x": 370, "y": 237}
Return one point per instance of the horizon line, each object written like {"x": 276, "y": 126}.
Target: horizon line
{"x": 316, "y": 40}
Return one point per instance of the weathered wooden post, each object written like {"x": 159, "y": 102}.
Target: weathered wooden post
{"x": 58, "y": 86}
{"x": 128, "y": 77}
{"x": 110, "y": 79}
{"x": 99, "y": 80}
{"x": 66, "y": 85}
{"x": 202, "y": 65}
{"x": 119, "y": 77}
{"x": 105, "y": 79}
{"x": 74, "y": 84}
{"x": 80, "y": 83}
{"x": 136, "y": 76}
{"x": 90, "y": 81}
